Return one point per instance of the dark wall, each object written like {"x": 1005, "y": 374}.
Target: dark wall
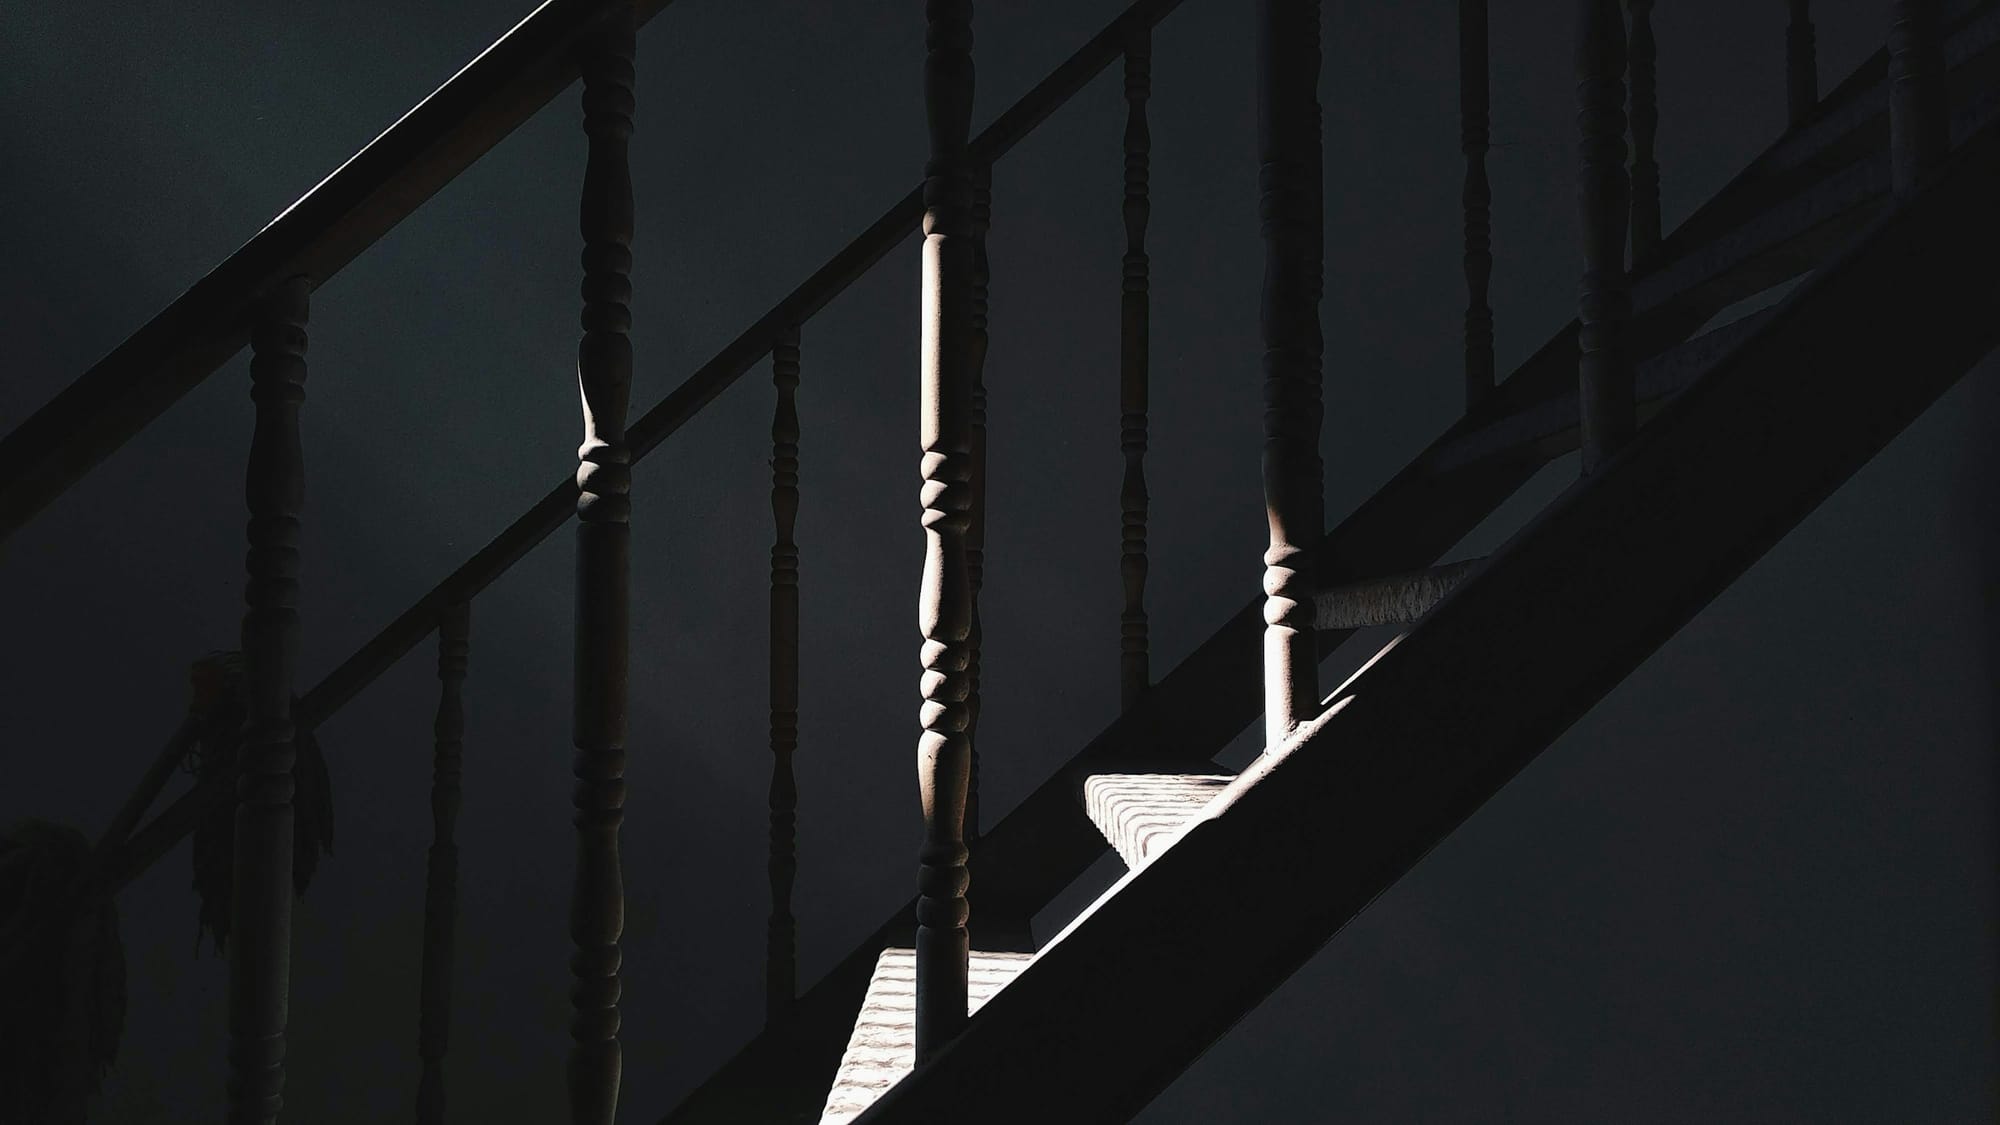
{"x": 1755, "y": 884}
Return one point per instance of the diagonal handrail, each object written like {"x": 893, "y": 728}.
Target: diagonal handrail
{"x": 711, "y": 379}
{"x": 344, "y": 214}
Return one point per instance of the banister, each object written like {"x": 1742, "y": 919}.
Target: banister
{"x": 377, "y": 188}
{"x": 645, "y": 434}
{"x": 330, "y": 225}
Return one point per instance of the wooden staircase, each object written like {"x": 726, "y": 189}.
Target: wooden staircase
{"x": 1877, "y": 203}
{"x": 1231, "y": 895}
{"x": 1820, "y": 191}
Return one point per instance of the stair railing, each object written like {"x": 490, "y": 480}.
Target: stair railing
{"x": 1740, "y": 242}
{"x": 261, "y": 296}
{"x": 239, "y": 301}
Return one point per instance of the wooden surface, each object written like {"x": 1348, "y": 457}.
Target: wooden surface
{"x": 945, "y": 603}
{"x": 1101, "y": 1022}
{"x": 603, "y": 565}
{"x": 1290, "y": 209}
{"x": 1603, "y": 196}
{"x": 261, "y": 893}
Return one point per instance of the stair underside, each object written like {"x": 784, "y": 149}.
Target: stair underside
{"x": 883, "y": 1047}
{"x": 1141, "y": 813}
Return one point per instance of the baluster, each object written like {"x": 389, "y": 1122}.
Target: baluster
{"x": 261, "y": 897}
{"x": 1645, "y": 126}
{"x": 1605, "y": 301}
{"x": 1801, "y": 63}
{"x": 1134, "y": 373}
{"x": 1288, "y": 141}
{"x": 1919, "y": 128}
{"x": 603, "y": 536}
{"x": 441, "y": 877}
{"x": 1474, "y": 138}
{"x": 945, "y": 604}
{"x": 781, "y": 938}
{"x": 975, "y": 538}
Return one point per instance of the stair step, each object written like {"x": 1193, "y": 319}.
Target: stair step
{"x": 883, "y": 1047}
{"x": 1140, "y": 813}
{"x": 1395, "y": 600}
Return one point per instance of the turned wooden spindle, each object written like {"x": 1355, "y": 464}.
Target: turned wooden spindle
{"x": 1474, "y": 138}
{"x": 1801, "y": 63}
{"x": 1644, "y": 57}
{"x": 945, "y": 603}
{"x": 1919, "y": 125}
{"x": 441, "y": 874}
{"x": 1604, "y": 370}
{"x": 1134, "y": 374}
{"x": 1289, "y": 177}
{"x": 975, "y": 535}
{"x": 261, "y": 893}
{"x": 781, "y": 972}
{"x": 603, "y": 537}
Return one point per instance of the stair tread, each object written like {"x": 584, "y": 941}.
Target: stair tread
{"x": 1141, "y": 813}
{"x": 883, "y": 1047}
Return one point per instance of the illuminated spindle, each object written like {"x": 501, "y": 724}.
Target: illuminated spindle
{"x": 603, "y": 539}
{"x": 945, "y": 603}
{"x": 1289, "y": 176}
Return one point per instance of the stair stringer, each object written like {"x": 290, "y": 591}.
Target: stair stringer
{"x": 1140, "y": 985}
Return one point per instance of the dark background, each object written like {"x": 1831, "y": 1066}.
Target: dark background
{"x": 1755, "y": 884}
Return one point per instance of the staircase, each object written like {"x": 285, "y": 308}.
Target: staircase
{"x": 1703, "y": 446}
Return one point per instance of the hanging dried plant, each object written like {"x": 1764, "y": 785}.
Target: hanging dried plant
{"x": 222, "y": 704}
{"x": 62, "y": 973}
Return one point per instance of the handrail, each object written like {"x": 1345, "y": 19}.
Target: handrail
{"x": 342, "y": 215}
{"x": 711, "y": 379}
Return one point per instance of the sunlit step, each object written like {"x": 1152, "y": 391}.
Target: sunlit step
{"x": 883, "y": 1047}
{"x": 1141, "y": 812}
